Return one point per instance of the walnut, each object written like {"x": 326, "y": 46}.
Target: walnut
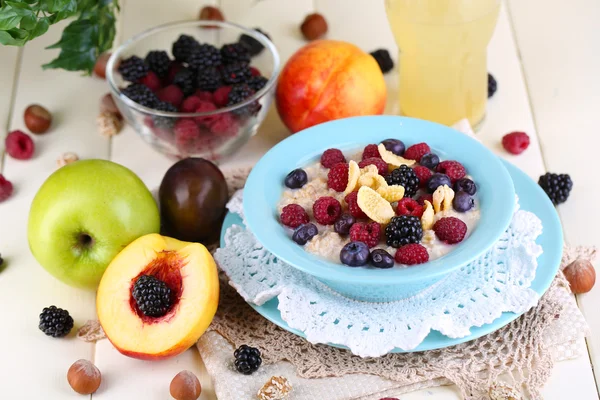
{"x": 108, "y": 124}
{"x": 276, "y": 388}
{"x": 67, "y": 158}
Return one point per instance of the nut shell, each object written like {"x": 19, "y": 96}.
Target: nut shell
{"x": 84, "y": 377}
{"x": 581, "y": 276}
{"x": 37, "y": 118}
{"x": 100, "y": 66}
{"x": 185, "y": 386}
{"x": 314, "y": 26}
{"x": 209, "y": 13}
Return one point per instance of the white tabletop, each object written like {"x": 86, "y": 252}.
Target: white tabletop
{"x": 545, "y": 55}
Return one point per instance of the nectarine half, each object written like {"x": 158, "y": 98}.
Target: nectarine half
{"x": 185, "y": 271}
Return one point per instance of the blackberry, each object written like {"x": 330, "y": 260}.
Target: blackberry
{"x": 239, "y": 93}
{"x": 158, "y": 62}
{"x": 257, "y": 82}
{"x": 557, "y": 186}
{"x": 140, "y": 94}
{"x": 236, "y": 73}
{"x": 404, "y": 176}
{"x": 403, "y": 230}
{"x": 55, "y": 322}
{"x": 385, "y": 62}
{"x": 247, "y": 359}
{"x": 253, "y": 46}
{"x": 133, "y": 69}
{"x": 203, "y": 56}
{"x": 209, "y": 79}
{"x": 152, "y": 296}
{"x": 183, "y": 46}
{"x": 186, "y": 80}
{"x": 492, "y": 85}
{"x": 235, "y": 52}
{"x": 160, "y": 121}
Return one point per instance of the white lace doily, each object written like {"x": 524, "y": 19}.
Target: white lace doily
{"x": 475, "y": 295}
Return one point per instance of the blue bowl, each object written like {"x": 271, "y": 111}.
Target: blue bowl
{"x": 264, "y": 187}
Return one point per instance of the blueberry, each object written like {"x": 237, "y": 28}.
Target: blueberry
{"x": 429, "y": 160}
{"x": 394, "y": 145}
{"x": 296, "y": 179}
{"x": 354, "y": 254}
{"x": 304, "y": 233}
{"x": 381, "y": 259}
{"x": 343, "y": 224}
{"x": 436, "y": 180}
{"x": 463, "y": 202}
{"x": 465, "y": 185}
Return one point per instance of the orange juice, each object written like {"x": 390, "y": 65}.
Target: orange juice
{"x": 442, "y": 60}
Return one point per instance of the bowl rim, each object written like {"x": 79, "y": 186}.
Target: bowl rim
{"x": 116, "y": 55}
{"x": 499, "y": 205}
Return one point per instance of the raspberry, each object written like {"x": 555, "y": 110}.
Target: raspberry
{"x": 382, "y": 167}
{"x": 416, "y": 151}
{"x": 293, "y": 215}
{"x": 221, "y": 96}
{"x": 515, "y": 142}
{"x": 152, "y": 81}
{"x": 225, "y": 125}
{"x": 370, "y": 151}
{"x": 408, "y": 206}
{"x": 204, "y": 95}
{"x": 171, "y": 94}
{"x": 330, "y": 157}
{"x": 411, "y": 254}
{"x": 191, "y": 103}
{"x": 422, "y": 198}
{"x": 353, "y": 208}
{"x": 6, "y": 188}
{"x": 368, "y": 233}
{"x": 423, "y": 174}
{"x": 255, "y": 71}
{"x": 19, "y": 145}
{"x": 174, "y": 68}
{"x": 337, "y": 177}
{"x": 326, "y": 210}
{"x": 186, "y": 128}
{"x": 450, "y": 230}
{"x": 205, "y": 106}
{"x": 453, "y": 169}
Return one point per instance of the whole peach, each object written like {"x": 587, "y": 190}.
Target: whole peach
{"x": 327, "y": 80}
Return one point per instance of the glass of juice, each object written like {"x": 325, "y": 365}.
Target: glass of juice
{"x": 442, "y": 57}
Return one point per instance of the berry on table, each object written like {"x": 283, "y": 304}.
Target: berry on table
{"x": 515, "y": 142}
{"x": 403, "y": 230}
{"x": 140, "y": 94}
{"x": 337, "y": 177}
{"x": 235, "y": 73}
{"x": 465, "y": 185}
{"x": 171, "y": 94}
{"x": 293, "y": 215}
{"x": 395, "y": 146}
{"x": 354, "y": 254}
{"x": 208, "y": 79}
{"x": 430, "y": 160}
{"x": 204, "y": 56}
{"x": 343, "y": 224}
{"x": 296, "y": 179}
{"x": 330, "y": 157}
{"x": 304, "y": 233}
{"x": 151, "y": 80}
{"x": 406, "y": 177}
{"x": 247, "y": 359}
{"x": 408, "y": 206}
{"x": 6, "y": 188}
{"x": 186, "y": 80}
{"x": 380, "y": 258}
{"x": 132, "y": 69}
{"x": 423, "y": 173}
{"x": 158, "y": 62}
{"x": 450, "y": 230}
{"x": 557, "y": 186}
{"x": 416, "y": 151}
{"x": 368, "y": 233}
{"x": 235, "y": 52}
{"x": 152, "y": 296}
{"x": 463, "y": 202}
{"x": 411, "y": 254}
{"x": 351, "y": 200}
{"x": 492, "y": 85}
{"x": 19, "y": 145}
{"x": 385, "y": 62}
{"x": 453, "y": 169}
{"x": 436, "y": 181}
{"x": 327, "y": 210}
{"x": 370, "y": 151}
{"x": 253, "y": 46}
{"x": 257, "y": 82}
{"x": 55, "y": 322}
{"x": 382, "y": 167}
{"x": 183, "y": 46}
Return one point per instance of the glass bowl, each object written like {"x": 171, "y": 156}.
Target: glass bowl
{"x": 220, "y": 132}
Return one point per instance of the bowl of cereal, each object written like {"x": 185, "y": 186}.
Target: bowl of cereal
{"x": 378, "y": 208}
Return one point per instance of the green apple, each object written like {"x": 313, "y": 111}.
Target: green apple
{"x": 84, "y": 215}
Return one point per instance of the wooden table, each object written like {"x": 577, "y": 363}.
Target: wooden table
{"x": 544, "y": 54}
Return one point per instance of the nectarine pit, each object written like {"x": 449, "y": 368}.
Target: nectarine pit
{"x": 166, "y": 266}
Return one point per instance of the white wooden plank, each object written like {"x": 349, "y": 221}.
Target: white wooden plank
{"x": 8, "y": 71}
{"x": 561, "y": 60}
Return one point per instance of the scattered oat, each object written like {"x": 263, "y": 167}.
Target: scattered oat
{"x": 504, "y": 392}
{"x": 67, "y": 158}
{"x": 108, "y": 124}
{"x": 276, "y": 388}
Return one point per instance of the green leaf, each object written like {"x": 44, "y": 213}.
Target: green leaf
{"x": 28, "y": 23}
{"x": 9, "y": 19}
{"x": 13, "y": 37}
{"x": 41, "y": 28}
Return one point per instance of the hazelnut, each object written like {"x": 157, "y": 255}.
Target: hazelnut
{"x": 209, "y": 13}
{"x": 37, "y": 118}
{"x": 84, "y": 377}
{"x": 108, "y": 105}
{"x": 100, "y": 66}
{"x": 581, "y": 275}
{"x": 314, "y": 26}
{"x": 185, "y": 386}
